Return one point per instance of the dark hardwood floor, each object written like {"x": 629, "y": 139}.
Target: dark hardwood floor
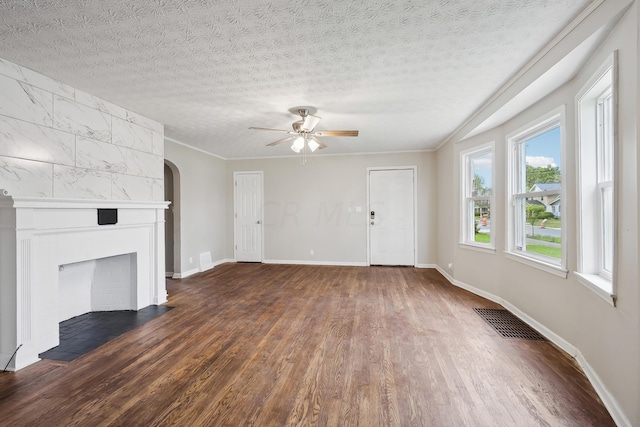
{"x": 279, "y": 345}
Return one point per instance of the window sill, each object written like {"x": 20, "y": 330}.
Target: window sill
{"x": 598, "y": 285}
{"x": 532, "y": 262}
{"x": 479, "y": 248}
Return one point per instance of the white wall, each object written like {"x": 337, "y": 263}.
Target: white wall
{"x": 606, "y": 338}
{"x": 74, "y": 289}
{"x": 57, "y": 141}
{"x": 113, "y": 285}
{"x": 306, "y": 206}
{"x": 201, "y": 200}
{"x": 104, "y": 284}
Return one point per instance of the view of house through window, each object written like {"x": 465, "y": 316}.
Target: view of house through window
{"x": 477, "y": 190}
{"x": 536, "y": 191}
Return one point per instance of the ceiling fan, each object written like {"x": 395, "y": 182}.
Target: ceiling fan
{"x": 304, "y": 135}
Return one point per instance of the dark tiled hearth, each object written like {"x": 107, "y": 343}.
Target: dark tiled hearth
{"x": 81, "y": 334}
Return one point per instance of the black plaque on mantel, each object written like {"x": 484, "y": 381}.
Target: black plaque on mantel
{"x": 107, "y": 216}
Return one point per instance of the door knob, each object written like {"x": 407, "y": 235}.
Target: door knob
{"x": 258, "y": 222}
{"x": 371, "y": 222}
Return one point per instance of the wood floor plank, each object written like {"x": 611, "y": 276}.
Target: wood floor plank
{"x": 291, "y": 345}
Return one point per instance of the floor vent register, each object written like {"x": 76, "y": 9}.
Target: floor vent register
{"x": 508, "y": 325}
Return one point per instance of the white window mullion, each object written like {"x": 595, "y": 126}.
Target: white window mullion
{"x": 605, "y": 190}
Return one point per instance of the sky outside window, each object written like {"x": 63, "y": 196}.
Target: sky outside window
{"x": 544, "y": 150}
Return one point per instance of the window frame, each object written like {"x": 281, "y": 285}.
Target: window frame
{"x": 515, "y": 175}
{"x": 604, "y": 177}
{"x": 466, "y": 190}
{"x": 590, "y": 231}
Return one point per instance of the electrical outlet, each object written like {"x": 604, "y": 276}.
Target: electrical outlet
{"x": 190, "y": 260}
{"x": 311, "y": 252}
{"x": 450, "y": 265}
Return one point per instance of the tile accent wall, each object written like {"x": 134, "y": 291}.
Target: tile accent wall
{"x": 60, "y": 142}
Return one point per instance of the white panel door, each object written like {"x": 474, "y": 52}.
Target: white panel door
{"x": 391, "y": 217}
{"x": 248, "y": 216}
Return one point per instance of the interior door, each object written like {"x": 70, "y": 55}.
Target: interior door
{"x": 248, "y": 216}
{"x": 391, "y": 217}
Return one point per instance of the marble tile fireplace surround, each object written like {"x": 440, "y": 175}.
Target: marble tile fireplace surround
{"x": 50, "y": 247}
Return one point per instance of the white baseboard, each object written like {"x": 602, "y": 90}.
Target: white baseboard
{"x": 168, "y": 274}
{"x": 186, "y": 274}
{"x": 609, "y": 401}
{"x": 311, "y": 262}
{"x": 223, "y": 261}
{"x": 444, "y": 273}
{"x": 607, "y": 398}
{"x": 17, "y": 364}
{"x": 467, "y": 287}
{"x": 215, "y": 264}
{"x": 426, "y": 266}
{"x": 207, "y": 267}
{"x": 548, "y": 333}
{"x": 307, "y": 262}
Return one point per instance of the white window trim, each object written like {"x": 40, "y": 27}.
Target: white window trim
{"x": 541, "y": 264}
{"x": 531, "y": 130}
{"x": 464, "y": 166}
{"x": 599, "y": 285}
{"x": 602, "y": 286}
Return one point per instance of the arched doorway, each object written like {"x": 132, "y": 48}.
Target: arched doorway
{"x": 172, "y": 220}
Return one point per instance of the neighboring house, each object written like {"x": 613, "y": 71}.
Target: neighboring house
{"x": 535, "y": 202}
{"x": 554, "y": 207}
{"x": 551, "y": 198}
{"x": 481, "y": 209}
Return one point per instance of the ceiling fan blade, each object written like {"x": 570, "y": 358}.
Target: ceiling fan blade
{"x": 271, "y": 130}
{"x": 282, "y": 141}
{"x": 309, "y": 123}
{"x": 336, "y": 133}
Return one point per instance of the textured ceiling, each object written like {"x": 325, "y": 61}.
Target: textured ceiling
{"x": 405, "y": 73}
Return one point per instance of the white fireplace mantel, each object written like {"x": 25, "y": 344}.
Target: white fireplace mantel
{"x": 37, "y": 235}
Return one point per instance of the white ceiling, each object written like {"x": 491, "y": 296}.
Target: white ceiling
{"x": 406, "y": 73}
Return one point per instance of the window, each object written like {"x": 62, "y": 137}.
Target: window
{"x": 477, "y": 195}
{"x": 535, "y": 233}
{"x": 596, "y": 182}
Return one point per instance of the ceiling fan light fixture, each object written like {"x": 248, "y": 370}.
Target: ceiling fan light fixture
{"x": 304, "y": 133}
{"x": 298, "y": 144}
{"x": 313, "y": 145}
